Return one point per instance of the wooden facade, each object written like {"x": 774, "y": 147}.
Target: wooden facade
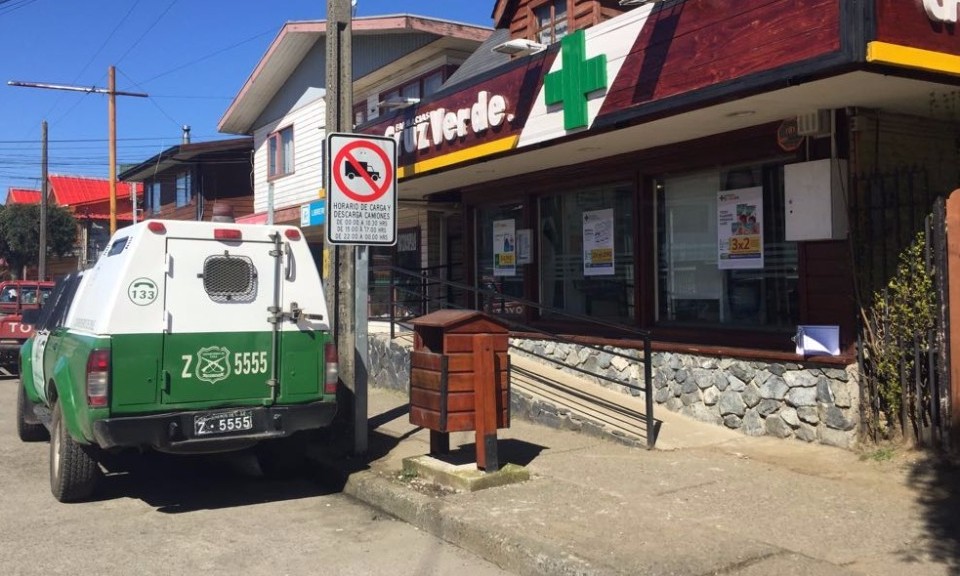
{"x": 901, "y": 23}
{"x": 687, "y": 54}
{"x": 219, "y": 173}
{"x": 696, "y": 45}
{"x": 518, "y": 15}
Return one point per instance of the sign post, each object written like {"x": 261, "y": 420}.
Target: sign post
{"x": 360, "y": 178}
{"x": 361, "y": 183}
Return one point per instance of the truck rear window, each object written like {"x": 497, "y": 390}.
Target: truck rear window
{"x": 230, "y": 279}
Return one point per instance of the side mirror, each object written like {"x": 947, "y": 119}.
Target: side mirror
{"x": 30, "y": 316}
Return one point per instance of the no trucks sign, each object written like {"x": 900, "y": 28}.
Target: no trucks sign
{"x": 361, "y": 182}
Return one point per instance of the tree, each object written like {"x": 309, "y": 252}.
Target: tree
{"x": 20, "y": 234}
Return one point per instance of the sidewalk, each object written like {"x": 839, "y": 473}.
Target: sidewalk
{"x": 706, "y": 501}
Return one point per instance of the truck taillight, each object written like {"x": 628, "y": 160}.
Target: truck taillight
{"x": 98, "y": 378}
{"x": 227, "y": 234}
{"x": 332, "y": 372}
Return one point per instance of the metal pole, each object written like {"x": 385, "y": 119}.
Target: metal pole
{"x": 270, "y": 203}
{"x": 648, "y": 392}
{"x": 42, "y": 261}
{"x": 339, "y": 265}
{"x": 362, "y": 351}
{"x": 112, "y": 122}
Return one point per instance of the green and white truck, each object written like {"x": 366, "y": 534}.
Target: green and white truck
{"x": 185, "y": 337}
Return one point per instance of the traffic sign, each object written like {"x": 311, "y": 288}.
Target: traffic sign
{"x": 361, "y": 183}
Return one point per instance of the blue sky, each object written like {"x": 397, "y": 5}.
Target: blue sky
{"x": 190, "y": 56}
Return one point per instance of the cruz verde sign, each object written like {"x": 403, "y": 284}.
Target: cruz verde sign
{"x": 440, "y": 125}
{"x": 578, "y": 78}
{"x": 942, "y": 10}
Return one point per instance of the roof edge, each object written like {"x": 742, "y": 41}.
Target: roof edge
{"x": 362, "y": 25}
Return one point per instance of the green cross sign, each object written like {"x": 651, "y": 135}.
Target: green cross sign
{"x": 575, "y": 80}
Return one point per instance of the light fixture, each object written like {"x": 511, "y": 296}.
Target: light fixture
{"x": 519, "y": 47}
{"x": 398, "y": 102}
{"x": 638, "y": 2}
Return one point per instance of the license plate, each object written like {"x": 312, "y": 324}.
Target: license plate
{"x": 223, "y": 422}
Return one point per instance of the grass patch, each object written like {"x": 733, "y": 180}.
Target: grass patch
{"x": 884, "y": 454}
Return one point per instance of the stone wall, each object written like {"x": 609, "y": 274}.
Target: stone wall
{"x": 787, "y": 400}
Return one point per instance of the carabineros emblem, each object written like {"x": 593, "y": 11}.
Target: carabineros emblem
{"x": 213, "y": 364}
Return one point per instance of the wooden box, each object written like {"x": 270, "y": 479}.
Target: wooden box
{"x": 443, "y": 370}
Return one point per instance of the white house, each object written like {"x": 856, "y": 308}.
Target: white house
{"x": 282, "y": 105}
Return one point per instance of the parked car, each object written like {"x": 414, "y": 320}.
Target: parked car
{"x": 15, "y": 297}
{"x": 184, "y": 337}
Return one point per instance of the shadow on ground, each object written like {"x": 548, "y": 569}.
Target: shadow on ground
{"x": 177, "y": 484}
{"x": 937, "y": 480}
{"x": 335, "y": 462}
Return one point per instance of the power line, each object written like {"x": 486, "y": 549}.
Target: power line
{"x": 106, "y": 41}
{"x": 4, "y": 9}
{"x": 146, "y": 33}
{"x": 208, "y": 56}
{"x": 74, "y": 140}
{"x": 154, "y": 102}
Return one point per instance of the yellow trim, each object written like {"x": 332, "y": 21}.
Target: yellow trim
{"x": 472, "y": 153}
{"x": 885, "y": 53}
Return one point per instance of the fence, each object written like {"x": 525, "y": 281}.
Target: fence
{"x": 887, "y": 211}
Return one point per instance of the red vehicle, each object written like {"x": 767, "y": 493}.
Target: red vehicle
{"x": 15, "y": 297}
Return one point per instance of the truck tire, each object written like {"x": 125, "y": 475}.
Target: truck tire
{"x": 74, "y": 473}
{"x": 29, "y": 429}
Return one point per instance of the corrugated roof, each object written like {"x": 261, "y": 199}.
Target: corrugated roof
{"x": 182, "y": 153}
{"x": 482, "y": 60}
{"x": 22, "y": 196}
{"x": 77, "y": 191}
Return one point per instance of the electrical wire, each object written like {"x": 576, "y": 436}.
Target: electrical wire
{"x": 209, "y": 56}
{"x": 152, "y": 101}
{"x": 106, "y": 41}
{"x": 17, "y": 4}
{"x": 146, "y": 33}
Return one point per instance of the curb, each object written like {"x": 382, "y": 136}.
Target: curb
{"x": 452, "y": 523}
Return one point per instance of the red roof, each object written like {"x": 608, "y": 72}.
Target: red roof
{"x": 22, "y": 196}
{"x": 76, "y": 191}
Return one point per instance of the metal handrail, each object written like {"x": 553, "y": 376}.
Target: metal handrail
{"x": 425, "y": 281}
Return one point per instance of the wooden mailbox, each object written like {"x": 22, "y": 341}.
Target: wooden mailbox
{"x": 460, "y": 379}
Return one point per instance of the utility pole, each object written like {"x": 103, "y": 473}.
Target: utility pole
{"x": 339, "y": 268}
{"x": 112, "y": 130}
{"x": 112, "y": 92}
{"x": 42, "y": 261}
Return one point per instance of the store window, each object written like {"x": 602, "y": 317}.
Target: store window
{"x": 722, "y": 258}
{"x": 586, "y": 256}
{"x": 280, "y": 151}
{"x": 184, "y": 189}
{"x": 153, "y": 196}
{"x": 498, "y": 268}
{"x": 550, "y": 19}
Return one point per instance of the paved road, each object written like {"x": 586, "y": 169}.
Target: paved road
{"x": 215, "y": 515}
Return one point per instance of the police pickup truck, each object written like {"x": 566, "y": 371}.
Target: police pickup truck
{"x": 184, "y": 337}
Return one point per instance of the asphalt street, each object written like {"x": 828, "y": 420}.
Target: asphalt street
{"x": 159, "y": 514}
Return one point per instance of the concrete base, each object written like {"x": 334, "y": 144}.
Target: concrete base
{"x": 462, "y": 477}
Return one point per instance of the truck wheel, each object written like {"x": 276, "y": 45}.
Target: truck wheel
{"x": 28, "y": 427}
{"x": 73, "y": 471}
{"x": 284, "y": 458}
